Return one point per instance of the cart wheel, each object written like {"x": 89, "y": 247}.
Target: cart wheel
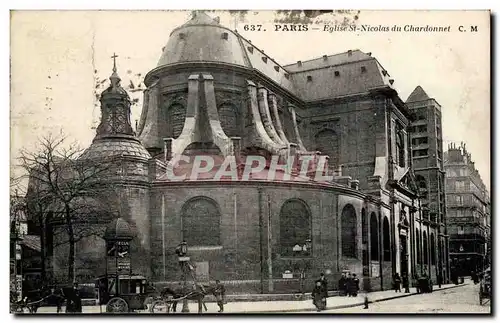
{"x": 117, "y": 305}
{"x": 160, "y": 306}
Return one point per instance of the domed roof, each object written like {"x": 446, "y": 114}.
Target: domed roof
{"x": 118, "y": 229}
{"x": 115, "y": 147}
{"x": 202, "y": 39}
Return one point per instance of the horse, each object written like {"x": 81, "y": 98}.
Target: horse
{"x": 37, "y": 298}
{"x": 197, "y": 294}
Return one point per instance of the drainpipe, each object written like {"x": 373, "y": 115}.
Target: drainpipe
{"x": 261, "y": 233}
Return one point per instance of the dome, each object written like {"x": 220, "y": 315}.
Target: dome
{"x": 202, "y": 39}
{"x": 118, "y": 229}
{"x": 115, "y": 147}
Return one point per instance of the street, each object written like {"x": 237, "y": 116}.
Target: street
{"x": 461, "y": 299}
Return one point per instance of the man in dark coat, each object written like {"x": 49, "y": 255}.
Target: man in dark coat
{"x": 324, "y": 285}
{"x": 348, "y": 285}
{"x": 342, "y": 283}
{"x": 397, "y": 283}
{"x": 73, "y": 300}
{"x": 317, "y": 295}
{"x": 354, "y": 285}
{"x": 406, "y": 283}
{"x": 219, "y": 293}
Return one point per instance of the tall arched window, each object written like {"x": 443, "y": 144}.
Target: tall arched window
{"x": 387, "y": 240}
{"x": 426, "y": 246}
{"x": 229, "y": 119}
{"x": 201, "y": 222}
{"x": 418, "y": 248}
{"x": 433, "y": 249}
{"x": 295, "y": 228}
{"x": 176, "y": 117}
{"x": 374, "y": 237}
{"x": 327, "y": 141}
{"x": 348, "y": 227}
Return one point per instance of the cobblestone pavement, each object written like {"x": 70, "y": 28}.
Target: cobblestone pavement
{"x": 411, "y": 303}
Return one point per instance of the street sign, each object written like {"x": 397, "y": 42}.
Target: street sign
{"x": 184, "y": 259}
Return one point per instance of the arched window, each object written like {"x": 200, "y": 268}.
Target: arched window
{"x": 327, "y": 141}
{"x": 295, "y": 228}
{"x": 387, "y": 240}
{"x": 201, "y": 222}
{"x": 229, "y": 119}
{"x": 348, "y": 227}
{"x": 418, "y": 248}
{"x": 433, "y": 250}
{"x": 374, "y": 237}
{"x": 176, "y": 117}
{"x": 426, "y": 253}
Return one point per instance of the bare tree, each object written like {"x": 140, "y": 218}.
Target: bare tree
{"x": 64, "y": 188}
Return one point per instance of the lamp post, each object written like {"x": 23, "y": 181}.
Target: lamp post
{"x": 181, "y": 251}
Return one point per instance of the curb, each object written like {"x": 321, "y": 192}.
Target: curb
{"x": 312, "y": 309}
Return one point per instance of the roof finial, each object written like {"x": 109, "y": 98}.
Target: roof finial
{"x": 114, "y": 61}
{"x": 114, "y": 78}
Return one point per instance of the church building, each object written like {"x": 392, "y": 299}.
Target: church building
{"x": 213, "y": 93}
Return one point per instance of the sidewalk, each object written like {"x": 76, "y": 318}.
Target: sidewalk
{"x": 335, "y": 302}
{"x": 289, "y": 306}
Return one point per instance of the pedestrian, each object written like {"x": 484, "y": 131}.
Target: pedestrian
{"x": 354, "y": 285}
{"x": 397, "y": 283}
{"x": 406, "y": 283}
{"x": 323, "y": 281}
{"x": 348, "y": 285}
{"x": 342, "y": 283}
{"x": 324, "y": 286}
{"x": 55, "y": 298}
{"x": 219, "y": 293}
{"x": 317, "y": 295}
{"x": 73, "y": 300}
{"x": 440, "y": 279}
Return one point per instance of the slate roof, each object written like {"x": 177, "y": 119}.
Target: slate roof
{"x": 110, "y": 147}
{"x": 201, "y": 39}
{"x": 418, "y": 95}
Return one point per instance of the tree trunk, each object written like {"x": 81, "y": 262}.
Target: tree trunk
{"x": 71, "y": 254}
{"x": 43, "y": 252}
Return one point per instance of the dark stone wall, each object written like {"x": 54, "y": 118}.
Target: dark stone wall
{"x": 238, "y": 257}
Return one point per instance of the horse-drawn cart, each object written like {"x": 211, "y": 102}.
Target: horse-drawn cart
{"x": 122, "y": 293}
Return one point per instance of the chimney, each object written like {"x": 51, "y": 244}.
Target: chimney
{"x": 349, "y": 52}
{"x": 299, "y": 63}
{"x": 325, "y": 57}
{"x": 369, "y": 53}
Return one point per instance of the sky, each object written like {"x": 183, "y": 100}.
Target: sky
{"x": 54, "y": 56}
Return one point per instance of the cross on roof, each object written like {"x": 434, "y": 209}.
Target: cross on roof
{"x": 114, "y": 61}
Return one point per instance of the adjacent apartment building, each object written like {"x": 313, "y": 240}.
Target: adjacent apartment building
{"x": 467, "y": 203}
